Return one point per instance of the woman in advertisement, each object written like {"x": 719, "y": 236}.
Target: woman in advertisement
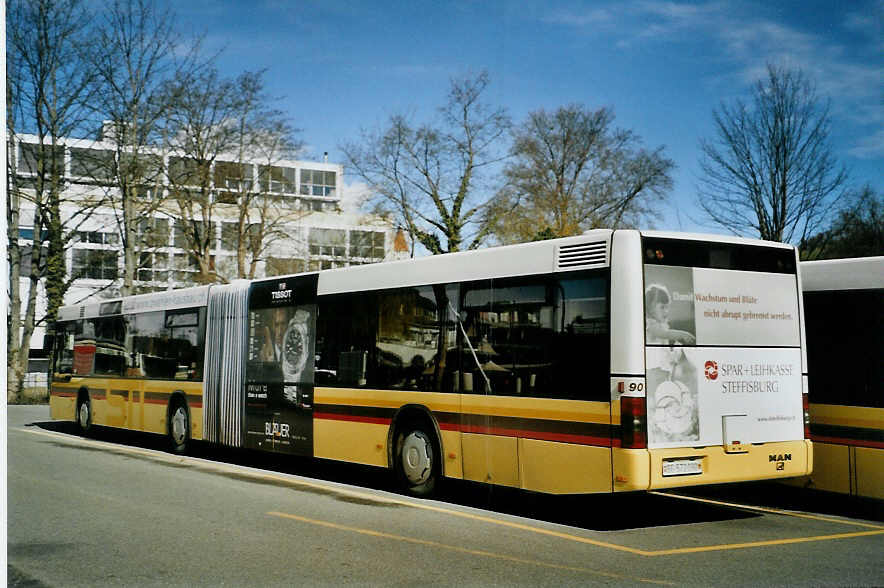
{"x": 657, "y": 307}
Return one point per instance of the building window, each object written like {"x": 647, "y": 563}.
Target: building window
{"x": 30, "y": 155}
{"x": 230, "y": 237}
{"x": 367, "y": 244}
{"x": 231, "y": 180}
{"x": 186, "y": 267}
{"x": 98, "y": 237}
{"x": 96, "y": 264}
{"x": 188, "y": 232}
{"x": 236, "y": 177}
{"x": 146, "y": 168}
{"x": 92, "y": 164}
{"x": 330, "y": 242}
{"x": 149, "y": 192}
{"x": 28, "y": 233}
{"x": 186, "y": 171}
{"x": 27, "y": 257}
{"x": 281, "y": 266}
{"x": 153, "y": 232}
{"x": 153, "y": 267}
{"x": 277, "y": 179}
{"x": 316, "y": 182}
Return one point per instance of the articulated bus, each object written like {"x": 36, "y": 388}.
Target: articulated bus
{"x": 613, "y": 361}
{"x": 844, "y": 310}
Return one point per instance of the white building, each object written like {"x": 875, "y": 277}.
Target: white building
{"x": 312, "y": 230}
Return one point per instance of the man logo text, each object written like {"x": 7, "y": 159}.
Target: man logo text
{"x": 781, "y": 457}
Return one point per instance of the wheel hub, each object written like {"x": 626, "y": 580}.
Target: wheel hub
{"x": 179, "y": 426}
{"x": 417, "y": 458}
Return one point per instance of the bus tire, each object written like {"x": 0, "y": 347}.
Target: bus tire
{"x": 179, "y": 426}
{"x": 417, "y": 461}
{"x": 84, "y": 413}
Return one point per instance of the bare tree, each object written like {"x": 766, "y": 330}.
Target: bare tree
{"x": 857, "y": 231}
{"x": 136, "y": 52}
{"x": 571, "y": 170}
{"x": 198, "y": 131}
{"x": 263, "y": 219}
{"x": 46, "y": 92}
{"x": 261, "y": 135}
{"x": 219, "y": 129}
{"x": 770, "y": 170}
{"x": 428, "y": 174}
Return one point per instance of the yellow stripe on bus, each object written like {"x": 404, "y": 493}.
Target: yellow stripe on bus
{"x": 505, "y": 406}
{"x": 848, "y": 416}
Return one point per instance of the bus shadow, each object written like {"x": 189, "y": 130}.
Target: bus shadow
{"x": 599, "y": 512}
{"x": 792, "y": 498}
{"x": 595, "y": 512}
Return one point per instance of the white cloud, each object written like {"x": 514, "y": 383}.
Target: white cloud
{"x": 354, "y": 195}
{"x": 845, "y": 64}
{"x": 579, "y": 19}
{"x": 871, "y": 147}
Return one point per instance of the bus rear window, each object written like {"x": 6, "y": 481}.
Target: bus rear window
{"x": 731, "y": 256}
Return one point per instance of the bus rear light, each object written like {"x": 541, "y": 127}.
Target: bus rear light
{"x": 633, "y": 422}
{"x": 805, "y": 402}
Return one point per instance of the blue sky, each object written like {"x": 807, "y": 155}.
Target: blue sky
{"x": 341, "y": 66}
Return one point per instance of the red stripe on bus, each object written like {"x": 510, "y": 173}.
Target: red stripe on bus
{"x": 559, "y": 437}
{"x": 352, "y": 418}
{"x": 846, "y": 441}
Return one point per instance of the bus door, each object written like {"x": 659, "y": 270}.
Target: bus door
{"x": 536, "y": 391}
{"x": 489, "y": 442}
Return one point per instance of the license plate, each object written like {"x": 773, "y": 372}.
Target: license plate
{"x": 682, "y": 467}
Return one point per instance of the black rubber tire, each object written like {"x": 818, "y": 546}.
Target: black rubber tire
{"x": 179, "y": 427}
{"x": 416, "y": 460}
{"x": 83, "y": 416}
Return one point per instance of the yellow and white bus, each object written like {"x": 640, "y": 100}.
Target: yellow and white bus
{"x": 844, "y": 310}
{"x": 608, "y": 362}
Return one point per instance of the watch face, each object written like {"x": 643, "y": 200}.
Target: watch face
{"x": 293, "y": 351}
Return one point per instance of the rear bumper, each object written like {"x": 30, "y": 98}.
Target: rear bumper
{"x": 642, "y": 469}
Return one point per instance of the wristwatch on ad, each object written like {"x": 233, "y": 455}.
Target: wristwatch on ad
{"x": 295, "y": 347}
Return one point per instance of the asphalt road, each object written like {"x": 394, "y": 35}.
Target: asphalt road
{"x": 117, "y": 509}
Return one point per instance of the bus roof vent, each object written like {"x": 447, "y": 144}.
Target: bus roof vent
{"x": 581, "y": 255}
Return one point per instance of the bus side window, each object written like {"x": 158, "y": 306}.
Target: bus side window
{"x": 64, "y": 348}
{"x": 413, "y": 338}
{"x": 346, "y": 333}
{"x": 538, "y": 336}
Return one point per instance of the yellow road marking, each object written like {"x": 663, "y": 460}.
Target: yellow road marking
{"x": 770, "y": 510}
{"x": 458, "y": 549}
{"x": 878, "y": 530}
{"x": 682, "y": 550}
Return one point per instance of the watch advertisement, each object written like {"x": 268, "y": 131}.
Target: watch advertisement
{"x": 279, "y": 377}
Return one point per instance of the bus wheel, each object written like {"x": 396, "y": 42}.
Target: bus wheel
{"x": 416, "y": 461}
{"x": 84, "y": 414}
{"x": 179, "y": 427}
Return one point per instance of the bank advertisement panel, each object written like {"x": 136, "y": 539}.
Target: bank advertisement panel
{"x": 279, "y": 368}
{"x": 716, "y": 395}
{"x": 723, "y": 357}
